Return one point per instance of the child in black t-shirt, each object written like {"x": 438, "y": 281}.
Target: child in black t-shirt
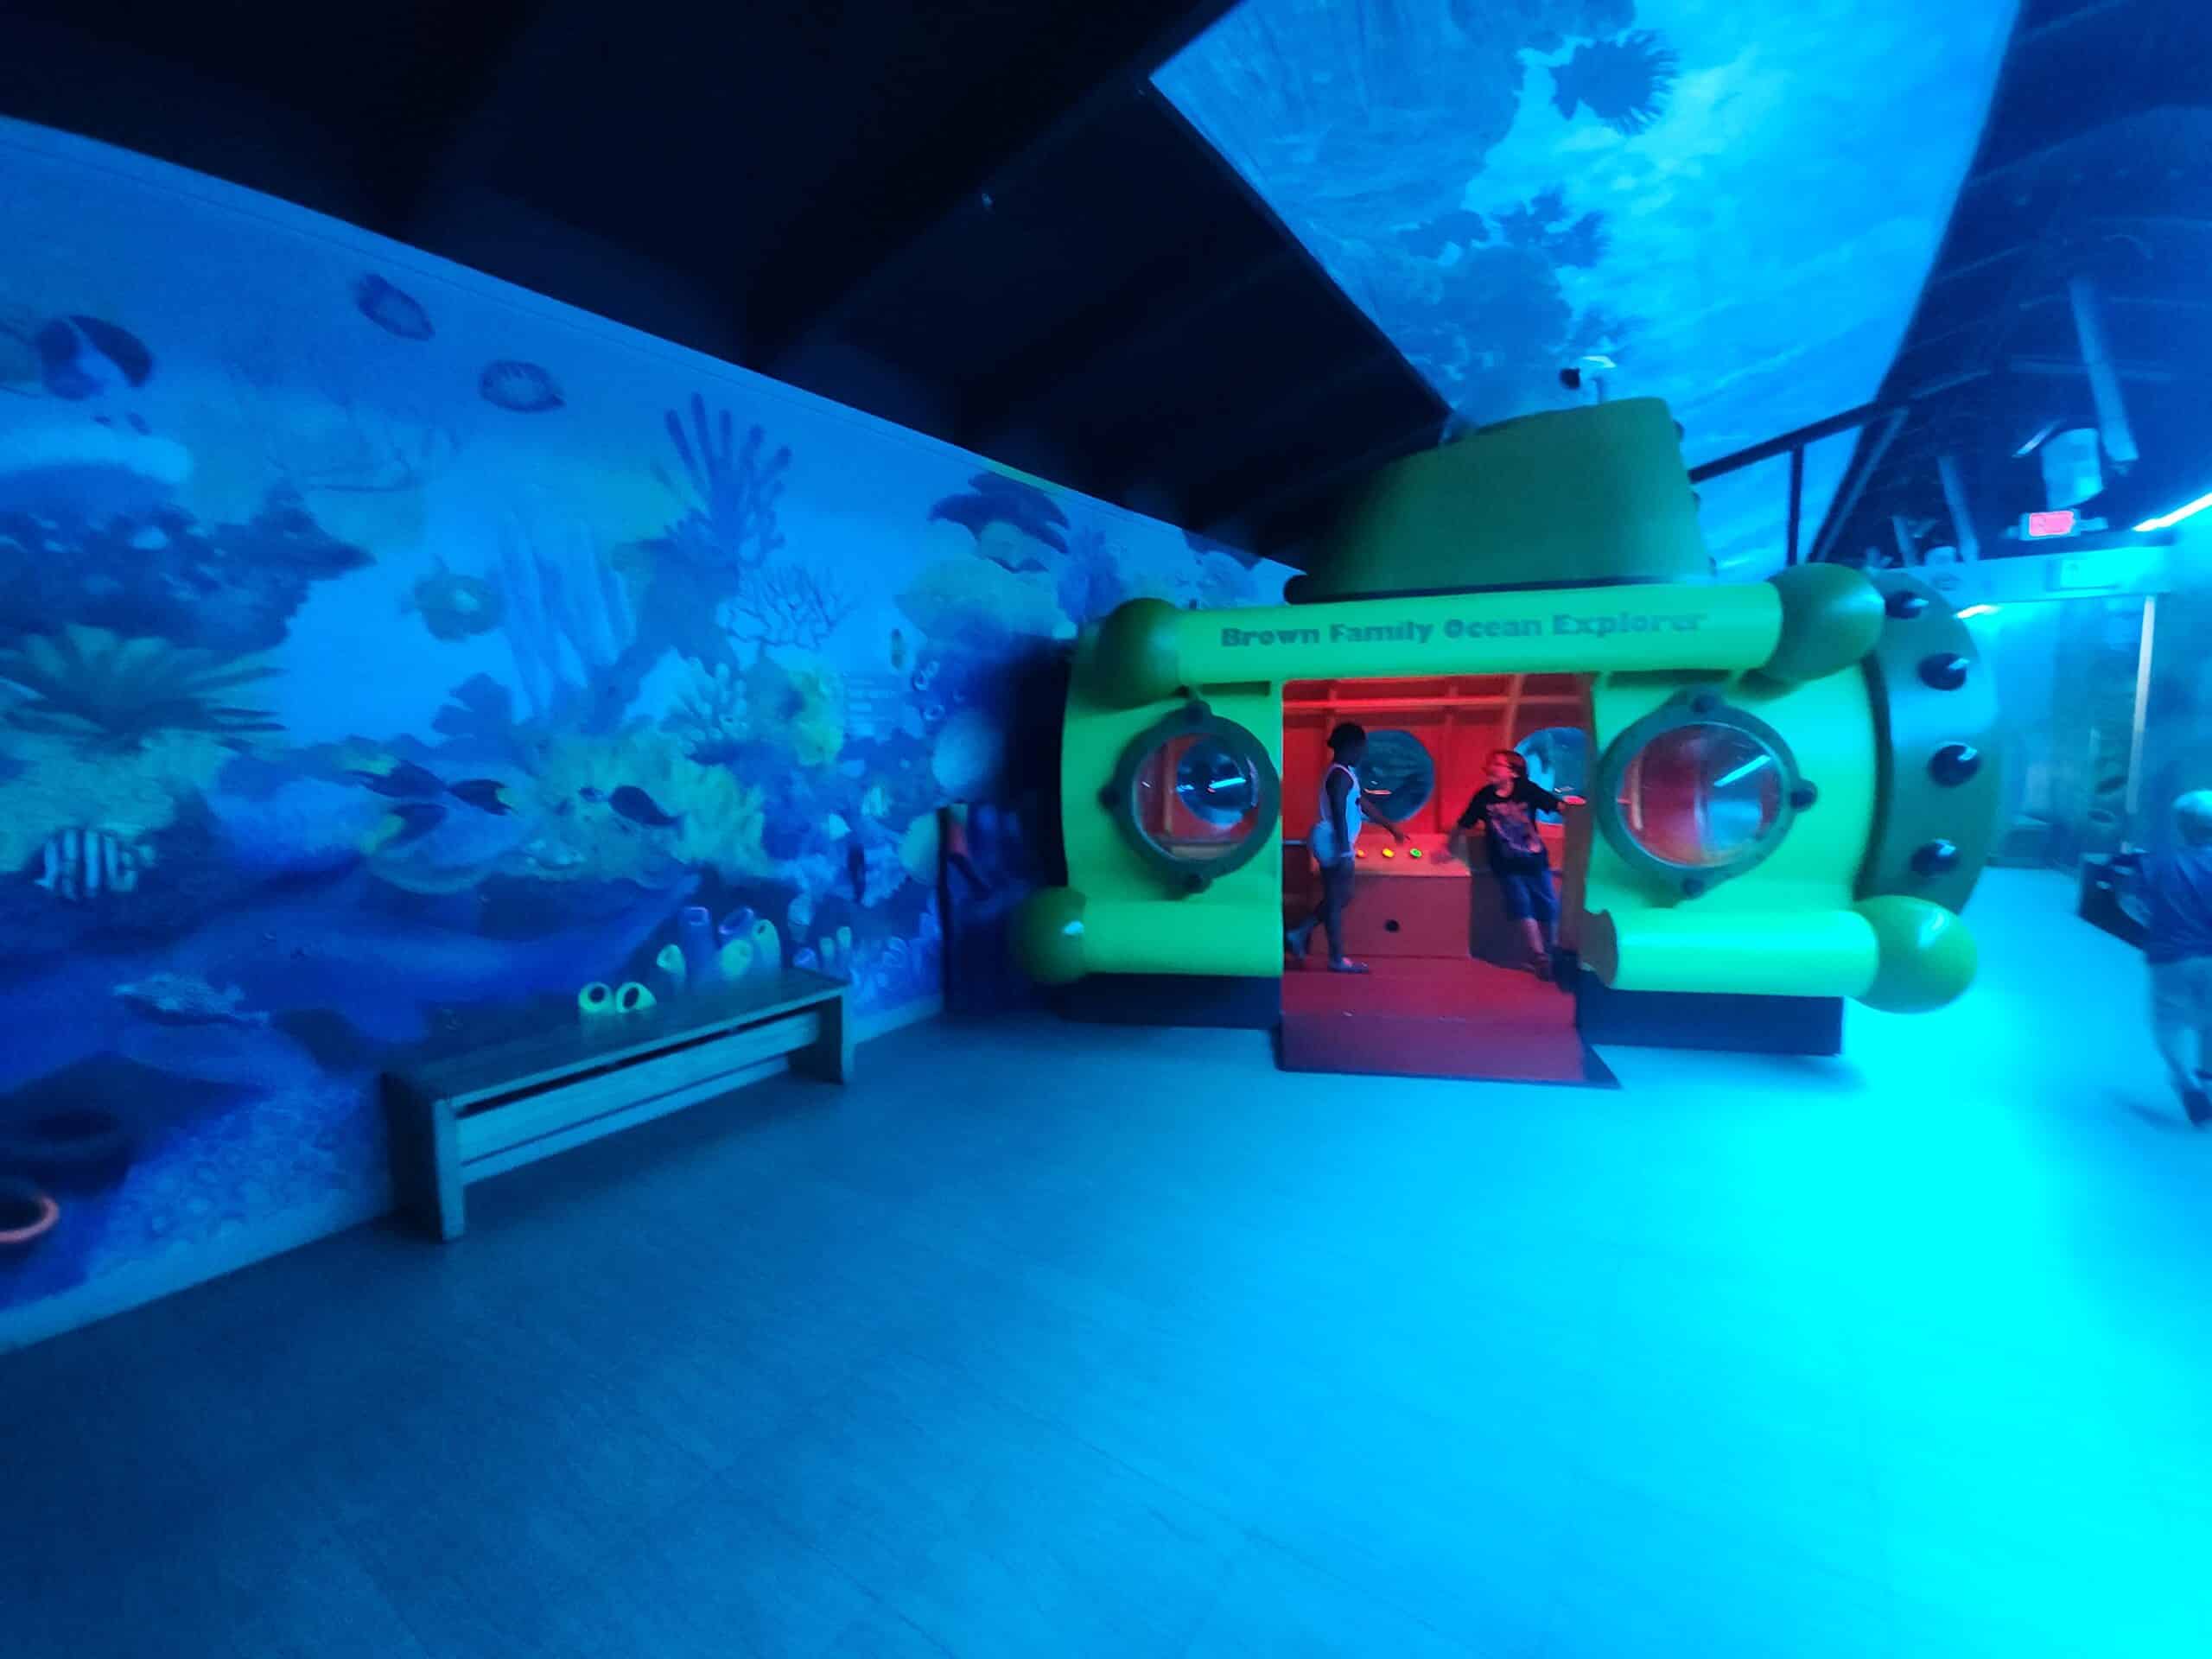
{"x": 1505, "y": 809}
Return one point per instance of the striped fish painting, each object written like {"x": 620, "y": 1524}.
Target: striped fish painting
{"x": 82, "y": 864}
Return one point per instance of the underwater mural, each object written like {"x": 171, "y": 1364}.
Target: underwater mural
{"x": 389, "y": 657}
{"x": 1728, "y": 206}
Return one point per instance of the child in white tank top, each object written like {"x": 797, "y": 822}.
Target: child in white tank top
{"x": 1323, "y": 841}
{"x": 1333, "y": 840}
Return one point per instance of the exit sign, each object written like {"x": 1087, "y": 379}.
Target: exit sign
{"x": 2059, "y": 523}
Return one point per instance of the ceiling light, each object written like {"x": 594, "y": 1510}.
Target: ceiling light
{"x": 2167, "y": 521}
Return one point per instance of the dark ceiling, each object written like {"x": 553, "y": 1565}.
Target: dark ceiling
{"x": 2096, "y": 164}
{"x": 976, "y": 219}
{"x": 972, "y": 216}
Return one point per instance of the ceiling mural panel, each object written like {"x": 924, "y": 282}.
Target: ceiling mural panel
{"x": 1732, "y": 207}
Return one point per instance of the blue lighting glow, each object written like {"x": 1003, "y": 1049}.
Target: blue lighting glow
{"x": 2167, "y": 521}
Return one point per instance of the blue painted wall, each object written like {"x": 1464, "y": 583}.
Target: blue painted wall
{"x": 386, "y": 652}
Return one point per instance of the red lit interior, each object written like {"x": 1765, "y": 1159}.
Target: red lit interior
{"x": 1459, "y": 720}
{"x": 1446, "y": 997}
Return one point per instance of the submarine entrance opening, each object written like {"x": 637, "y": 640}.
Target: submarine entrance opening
{"x": 1468, "y": 951}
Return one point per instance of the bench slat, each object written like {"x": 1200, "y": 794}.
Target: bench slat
{"x": 463, "y": 1079}
{"x": 499, "y": 1163}
{"x": 566, "y": 1104}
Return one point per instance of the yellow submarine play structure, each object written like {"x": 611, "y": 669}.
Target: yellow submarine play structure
{"x": 1793, "y": 782}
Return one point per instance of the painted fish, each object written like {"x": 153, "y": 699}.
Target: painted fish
{"x": 523, "y": 387}
{"x": 415, "y": 819}
{"x": 634, "y": 804}
{"x": 991, "y": 500}
{"x": 80, "y": 357}
{"x": 405, "y": 781}
{"x": 169, "y": 999}
{"x": 392, "y": 310}
{"x": 81, "y": 864}
{"x": 484, "y": 794}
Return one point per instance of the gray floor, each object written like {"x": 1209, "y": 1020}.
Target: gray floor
{"x": 1048, "y": 1342}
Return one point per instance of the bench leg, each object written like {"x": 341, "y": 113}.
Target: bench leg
{"x": 452, "y": 1219}
{"x": 425, "y": 1163}
{"x": 426, "y": 1166}
{"x": 829, "y": 1059}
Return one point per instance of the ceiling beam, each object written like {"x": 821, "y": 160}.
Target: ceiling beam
{"x": 1258, "y": 423}
{"x": 447, "y": 85}
{"x": 2061, "y": 368}
{"x": 1945, "y": 274}
{"x": 828, "y": 256}
{"x": 1863, "y": 465}
{"x": 1849, "y": 421}
{"x": 1258, "y": 491}
{"x": 2186, "y": 302}
{"x": 1166, "y": 297}
{"x": 2051, "y": 28}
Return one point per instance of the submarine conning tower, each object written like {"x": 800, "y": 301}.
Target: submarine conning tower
{"x": 1578, "y": 498}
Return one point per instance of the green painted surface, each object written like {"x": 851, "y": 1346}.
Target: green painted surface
{"x": 1783, "y": 928}
{"x": 1831, "y": 618}
{"x": 1583, "y": 495}
{"x": 1149, "y": 651}
{"x": 1928, "y": 955}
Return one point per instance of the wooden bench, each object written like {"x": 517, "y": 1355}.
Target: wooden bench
{"x": 460, "y": 1119}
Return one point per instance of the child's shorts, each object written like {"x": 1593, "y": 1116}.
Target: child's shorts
{"x": 1529, "y": 897}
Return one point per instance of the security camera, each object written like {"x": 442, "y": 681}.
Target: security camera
{"x": 1588, "y": 370}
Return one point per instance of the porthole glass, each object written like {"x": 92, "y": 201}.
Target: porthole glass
{"x": 1702, "y": 796}
{"x": 1559, "y": 760}
{"x": 1402, "y": 771}
{"x": 1196, "y": 796}
{"x": 1698, "y": 791}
